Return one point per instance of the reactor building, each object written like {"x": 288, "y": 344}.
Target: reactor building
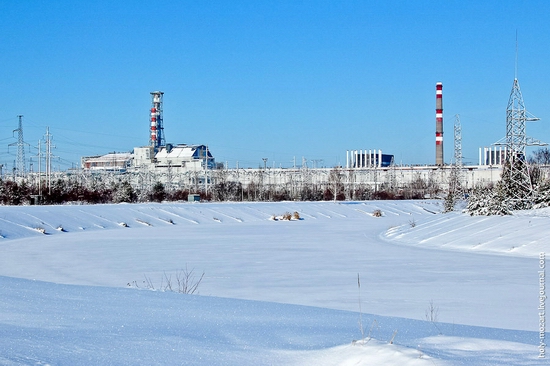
{"x": 158, "y": 156}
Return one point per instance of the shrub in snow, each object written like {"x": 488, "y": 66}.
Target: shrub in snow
{"x": 184, "y": 281}
{"x": 158, "y": 194}
{"x": 123, "y": 192}
{"x": 377, "y": 213}
{"x": 449, "y": 202}
{"x": 432, "y": 315}
{"x": 487, "y": 202}
{"x": 510, "y": 193}
{"x": 513, "y": 192}
{"x": 542, "y": 195}
{"x": 287, "y": 216}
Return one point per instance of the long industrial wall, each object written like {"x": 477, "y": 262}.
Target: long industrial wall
{"x": 429, "y": 179}
{"x": 295, "y": 179}
{"x": 374, "y": 177}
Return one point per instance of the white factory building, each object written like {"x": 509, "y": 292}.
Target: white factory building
{"x": 178, "y": 158}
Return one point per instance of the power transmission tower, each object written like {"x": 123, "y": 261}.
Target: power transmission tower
{"x": 516, "y": 179}
{"x": 458, "y": 141}
{"x": 516, "y": 170}
{"x": 20, "y": 159}
{"x": 456, "y": 172}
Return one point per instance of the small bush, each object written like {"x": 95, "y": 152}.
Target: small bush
{"x": 184, "y": 281}
{"x": 377, "y": 213}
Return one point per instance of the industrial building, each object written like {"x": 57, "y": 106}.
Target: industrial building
{"x": 368, "y": 159}
{"x": 112, "y": 162}
{"x": 158, "y": 156}
{"x": 179, "y": 157}
{"x": 193, "y": 166}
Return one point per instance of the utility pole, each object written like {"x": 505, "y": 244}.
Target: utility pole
{"x": 206, "y": 172}
{"x": 39, "y": 168}
{"x": 49, "y": 147}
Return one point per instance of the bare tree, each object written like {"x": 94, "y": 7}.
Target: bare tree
{"x": 540, "y": 157}
{"x": 335, "y": 184}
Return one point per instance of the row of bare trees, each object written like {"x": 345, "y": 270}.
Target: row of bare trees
{"x": 337, "y": 188}
{"x": 108, "y": 190}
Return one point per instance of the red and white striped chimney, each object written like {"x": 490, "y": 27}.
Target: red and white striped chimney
{"x": 439, "y": 124}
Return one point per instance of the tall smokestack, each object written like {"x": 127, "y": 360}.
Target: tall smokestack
{"x": 156, "y": 128}
{"x": 439, "y": 124}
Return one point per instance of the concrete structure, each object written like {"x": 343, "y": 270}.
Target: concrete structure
{"x": 367, "y": 159}
{"x": 112, "y": 162}
{"x": 179, "y": 157}
{"x": 492, "y": 155}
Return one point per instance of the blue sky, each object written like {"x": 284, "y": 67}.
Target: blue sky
{"x": 277, "y": 80}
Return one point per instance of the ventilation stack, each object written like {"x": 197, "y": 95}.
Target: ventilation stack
{"x": 157, "y": 129}
{"x": 439, "y": 124}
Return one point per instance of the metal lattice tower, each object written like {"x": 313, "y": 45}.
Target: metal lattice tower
{"x": 20, "y": 159}
{"x": 516, "y": 118}
{"x": 458, "y": 142}
{"x": 516, "y": 170}
{"x": 456, "y": 173}
{"x": 157, "y": 129}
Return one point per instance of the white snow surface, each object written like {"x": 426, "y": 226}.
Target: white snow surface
{"x": 73, "y": 284}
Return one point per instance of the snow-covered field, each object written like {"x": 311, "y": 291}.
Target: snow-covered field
{"x": 73, "y": 285}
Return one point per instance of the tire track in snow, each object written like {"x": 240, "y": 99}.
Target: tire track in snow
{"x": 223, "y": 214}
{"x": 40, "y": 220}
{"x": 267, "y": 216}
{"x": 337, "y": 213}
{"x": 99, "y": 217}
{"x": 179, "y": 216}
{"x": 148, "y": 215}
{"x": 448, "y": 231}
{"x": 17, "y": 224}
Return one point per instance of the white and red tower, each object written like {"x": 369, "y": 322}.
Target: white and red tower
{"x": 439, "y": 124}
{"x": 156, "y": 130}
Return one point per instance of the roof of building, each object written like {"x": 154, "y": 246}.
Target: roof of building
{"x": 109, "y": 157}
{"x": 180, "y": 152}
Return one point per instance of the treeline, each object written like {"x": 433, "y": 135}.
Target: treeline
{"x": 69, "y": 190}
{"x": 234, "y": 191}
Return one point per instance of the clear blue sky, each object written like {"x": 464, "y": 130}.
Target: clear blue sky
{"x": 276, "y": 80}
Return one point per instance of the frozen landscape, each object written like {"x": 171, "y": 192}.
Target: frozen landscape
{"x": 75, "y": 285}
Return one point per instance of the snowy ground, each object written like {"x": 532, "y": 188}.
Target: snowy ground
{"x": 274, "y": 292}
